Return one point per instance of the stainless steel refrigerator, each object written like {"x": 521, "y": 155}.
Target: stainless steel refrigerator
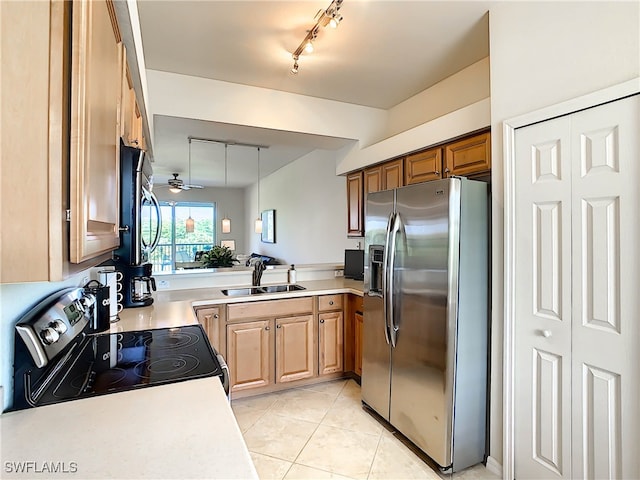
{"x": 424, "y": 366}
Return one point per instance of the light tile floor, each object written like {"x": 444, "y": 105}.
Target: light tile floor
{"x": 321, "y": 431}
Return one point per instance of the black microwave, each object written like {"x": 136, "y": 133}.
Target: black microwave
{"x": 140, "y": 219}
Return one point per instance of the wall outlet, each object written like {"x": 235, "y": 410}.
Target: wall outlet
{"x": 163, "y": 284}
{"x": 339, "y": 273}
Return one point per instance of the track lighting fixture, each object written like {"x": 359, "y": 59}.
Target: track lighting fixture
{"x": 331, "y": 17}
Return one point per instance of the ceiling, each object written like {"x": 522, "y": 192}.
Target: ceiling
{"x": 381, "y": 54}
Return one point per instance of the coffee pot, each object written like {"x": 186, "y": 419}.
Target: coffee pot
{"x": 138, "y": 285}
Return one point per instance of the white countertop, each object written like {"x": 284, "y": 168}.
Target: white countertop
{"x": 181, "y": 430}
{"x": 173, "y": 308}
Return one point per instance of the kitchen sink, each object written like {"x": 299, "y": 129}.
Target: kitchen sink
{"x": 281, "y": 288}
{"x": 233, "y": 292}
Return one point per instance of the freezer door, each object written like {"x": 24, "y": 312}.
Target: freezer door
{"x": 376, "y": 351}
{"x": 421, "y": 396}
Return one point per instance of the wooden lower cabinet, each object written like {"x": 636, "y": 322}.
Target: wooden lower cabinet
{"x": 212, "y": 320}
{"x": 331, "y": 342}
{"x": 295, "y": 352}
{"x": 250, "y": 354}
{"x": 359, "y": 321}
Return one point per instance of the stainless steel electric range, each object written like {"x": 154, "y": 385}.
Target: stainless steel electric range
{"x": 57, "y": 359}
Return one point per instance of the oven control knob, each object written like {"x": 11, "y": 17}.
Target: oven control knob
{"x": 59, "y": 326}
{"x": 49, "y": 336}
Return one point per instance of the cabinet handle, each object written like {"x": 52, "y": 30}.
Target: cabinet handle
{"x": 278, "y": 326}
{"x": 267, "y": 328}
{"x": 322, "y": 321}
{"x": 546, "y": 333}
{"x": 436, "y": 172}
{"x": 446, "y": 170}
{"x": 216, "y": 316}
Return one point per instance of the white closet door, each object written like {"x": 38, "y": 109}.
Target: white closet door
{"x": 577, "y": 325}
{"x": 606, "y": 291}
{"x": 543, "y": 292}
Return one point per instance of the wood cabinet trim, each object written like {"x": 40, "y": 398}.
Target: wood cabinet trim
{"x": 355, "y": 204}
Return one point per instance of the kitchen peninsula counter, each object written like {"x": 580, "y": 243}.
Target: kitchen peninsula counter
{"x": 179, "y": 430}
{"x": 174, "y": 308}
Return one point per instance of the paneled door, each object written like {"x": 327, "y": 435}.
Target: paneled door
{"x": 577, "y": 337}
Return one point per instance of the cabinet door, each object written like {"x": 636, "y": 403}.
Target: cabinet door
{"x": 355, "y": 208}
{"x": 373, "y": 180}
{"x": 249, "y": 354}
{"x": 358, "y": 343}
{"x": 294, "y": 348}
{"x": 423, "y": 166}
{"x": 210, "y": 320}
{"x": 331, "y": 325}
{"x": 96, "y": 84}
{"x": 392, "y": 174}
{"x": 469, "y": 155}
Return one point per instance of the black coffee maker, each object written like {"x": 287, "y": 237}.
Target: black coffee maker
{"x": 137, "y": 285}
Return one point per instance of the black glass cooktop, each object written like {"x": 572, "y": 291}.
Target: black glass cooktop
{"x": 115, "y": 362}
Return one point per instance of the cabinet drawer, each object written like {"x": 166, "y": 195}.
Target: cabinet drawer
{"x": 330, "y": 302}
{"x": 269, "y": 308}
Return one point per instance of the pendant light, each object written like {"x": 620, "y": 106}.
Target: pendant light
{"x": 258, "y": 222}
{"x": 190, "y": 225}
{"x": 226, "y": 221}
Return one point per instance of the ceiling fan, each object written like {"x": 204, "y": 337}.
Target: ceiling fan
{"x": 176, "y": 184}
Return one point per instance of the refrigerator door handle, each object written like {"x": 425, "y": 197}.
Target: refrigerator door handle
{"x": 391, "y": 324}
{"x": 385, "y": 277}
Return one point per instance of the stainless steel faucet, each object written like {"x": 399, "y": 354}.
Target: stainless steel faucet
{"x": 258, "y": 268}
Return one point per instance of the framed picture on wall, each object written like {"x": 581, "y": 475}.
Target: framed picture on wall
{"x": 269, "y": 226}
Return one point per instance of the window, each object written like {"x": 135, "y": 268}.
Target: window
{"x": 177, "y": 248}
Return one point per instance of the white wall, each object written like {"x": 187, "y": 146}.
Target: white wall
{"x": 463, "y": 88}
{"x": 311, "y": 211}
{"x": 543, "y": 53}
{"x": 204, "y": 99}
{"x": 229, "y": 201}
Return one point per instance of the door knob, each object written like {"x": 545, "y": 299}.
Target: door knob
{"x": 546, "y": 333}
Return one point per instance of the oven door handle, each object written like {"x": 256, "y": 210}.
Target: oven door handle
{"x": 225, "y": 375}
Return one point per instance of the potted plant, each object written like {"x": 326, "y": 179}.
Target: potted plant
{"x": 219, "y": 257}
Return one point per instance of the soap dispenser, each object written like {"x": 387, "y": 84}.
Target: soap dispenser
{"x": 292, "y": 274}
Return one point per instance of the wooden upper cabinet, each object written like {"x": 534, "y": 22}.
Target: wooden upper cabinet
{"x": 393, "y": 174}
{"x": 355, "y": 206}
{"x": 96, "y": 70}
{"x": 386, "y": 176}
{"x": 423, "y": 166}
{"x": 372, "y": 180}
{"x": 468, "y": 156}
